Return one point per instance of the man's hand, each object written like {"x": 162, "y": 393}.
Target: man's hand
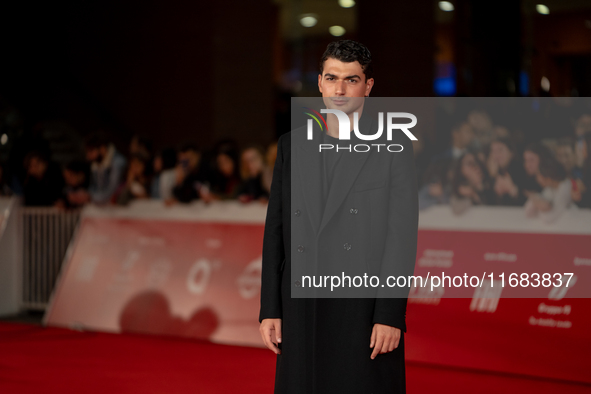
{"x": 271, "y": 332}
{"x": 384, "y": 339}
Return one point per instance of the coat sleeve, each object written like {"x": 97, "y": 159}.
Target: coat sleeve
{"x": 273, "y": 247}
{"x": 401, "y": 238}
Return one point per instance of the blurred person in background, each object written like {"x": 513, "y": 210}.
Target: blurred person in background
{"x": 270, "y": 157}
{"x": 422, "y": 159}
{"x": 137, "y": 182}
{"x": 75, "y": 192}
{"x": 164, "y": 178}
{"x": 462, "y": 137}
{"x": 565, "y": 154}
{"x": 555, "y": 198}
{"x": 107, "y": 168}
{"x": 582, "y": 126}
{"x": 436, "y": 187}
{"x": 471, "y": 184}
{"x": 188, "y": 175}
{"x": 507, "y": 172}
{"x": 252, "y": 166}
{"x": 582, "y": 129}
{"x": 140, "y": 144}
{"x": 483, "y": 130}
{"x": 4, "y": 188}
{"x": 500, "y": 132}
{"x": 533, "y": 155}
{"x": 43, "y": 182}
{"x": 225, "y": 177}
{"x": 15, "y": 170}
{"x": 582, "y": 189}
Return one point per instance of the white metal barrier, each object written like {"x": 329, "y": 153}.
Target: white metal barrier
{"x": 46, "y": 234}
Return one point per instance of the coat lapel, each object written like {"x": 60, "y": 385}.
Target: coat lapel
{"x": 308, "y": 165}
{"x": 345, "y": 174}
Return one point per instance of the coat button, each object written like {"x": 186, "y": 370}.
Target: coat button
{"x": 353, "y": 211}
{"x": 297, "y": 212}
{"x": 297, "y": 283}
{"x": 300, "y": 248}
{"x": 347, "y": 246}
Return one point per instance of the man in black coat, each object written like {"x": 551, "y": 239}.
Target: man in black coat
{"x": 363, "y": 219}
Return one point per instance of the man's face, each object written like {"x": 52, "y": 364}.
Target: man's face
{"x": 343, "y": 85}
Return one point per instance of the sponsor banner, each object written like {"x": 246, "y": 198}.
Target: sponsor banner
{"x": 197, "y": 276}
{"x": 494, "y": 265}
{"x": 193, "y": 279}
{"x": 489, "y": 329}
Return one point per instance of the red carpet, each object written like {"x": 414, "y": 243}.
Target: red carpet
{"x": 52, "y": 360}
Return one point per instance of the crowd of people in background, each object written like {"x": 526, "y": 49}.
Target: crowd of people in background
{"x": 481, "y": 166}
{"x": 172, "y": 175}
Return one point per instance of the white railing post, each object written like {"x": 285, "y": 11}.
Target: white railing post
{"x": 45, "y": 234}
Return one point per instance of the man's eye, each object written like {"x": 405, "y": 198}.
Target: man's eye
{"x": 353, "y": 80}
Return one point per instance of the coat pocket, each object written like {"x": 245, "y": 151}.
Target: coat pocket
{"x": 362, "y": 186}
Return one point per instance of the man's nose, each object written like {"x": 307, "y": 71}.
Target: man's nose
{"x": 340, "y": 88}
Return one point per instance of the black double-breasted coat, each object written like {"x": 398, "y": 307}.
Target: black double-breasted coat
{"x": 369, "y": 224}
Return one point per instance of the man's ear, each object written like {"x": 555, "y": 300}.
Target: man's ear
{"x": 368, "y": 86}
{"x": 319, "y": 84}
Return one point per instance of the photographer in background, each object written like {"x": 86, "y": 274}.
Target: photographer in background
{"x": 137, "y": 183}
{"x": 188, "y": 175}
{"x": 75, "y": 192}
{"x": 43, "y": 182}
{"x": 107, "y": 168}
{"x": 252, "y": 167}
{"x": 555, "y": 198}
{"x": 164, "y": 178}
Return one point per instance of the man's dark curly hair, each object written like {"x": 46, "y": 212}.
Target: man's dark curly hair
{"x": 349, "y": 51}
